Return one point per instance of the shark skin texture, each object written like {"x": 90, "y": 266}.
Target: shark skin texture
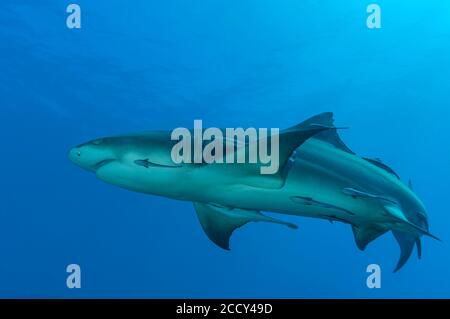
{"x": 318, "y": 177}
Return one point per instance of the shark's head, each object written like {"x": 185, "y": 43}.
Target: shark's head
{"x": 92, "y": 155}
{"x": 140, "y": 162}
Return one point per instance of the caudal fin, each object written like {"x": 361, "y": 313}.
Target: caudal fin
{"x": 406, "y": 242}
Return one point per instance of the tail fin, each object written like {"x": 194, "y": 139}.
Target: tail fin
{"x": 406, "y": 242}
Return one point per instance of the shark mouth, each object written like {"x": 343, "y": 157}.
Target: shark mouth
{"x": 102, "y": 163}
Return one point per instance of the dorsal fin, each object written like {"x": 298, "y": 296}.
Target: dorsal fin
{"x": 330, "y": 136}
{"x": 292, "y": 138}
{"x": 377, "y": 162}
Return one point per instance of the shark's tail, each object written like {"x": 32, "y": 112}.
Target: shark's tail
{"x": 406, "y": 241}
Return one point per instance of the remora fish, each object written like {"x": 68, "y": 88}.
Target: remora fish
{"x": 319, "y": 177}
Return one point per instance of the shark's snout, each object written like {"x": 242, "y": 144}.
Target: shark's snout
{"x": 80, "y": 158}
{"x": 90, "y": 156}
{"x": 74, "y": 155}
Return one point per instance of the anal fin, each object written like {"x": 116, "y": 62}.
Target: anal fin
{"x": 219, "y": 222}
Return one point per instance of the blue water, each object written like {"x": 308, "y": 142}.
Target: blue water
{"x": 144, "y": 65}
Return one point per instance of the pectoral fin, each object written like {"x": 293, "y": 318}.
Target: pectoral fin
{"x": 365, "y": 235}
{"x": 219, "y": 222}
{"x": 396, "y": 212}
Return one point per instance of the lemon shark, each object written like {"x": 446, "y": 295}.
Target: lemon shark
{"x": 319, "y": 177}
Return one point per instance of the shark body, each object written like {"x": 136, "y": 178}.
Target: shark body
{"x": 319, "y": 177}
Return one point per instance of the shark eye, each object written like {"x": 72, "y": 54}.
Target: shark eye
{"x": 78, "y": 153}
